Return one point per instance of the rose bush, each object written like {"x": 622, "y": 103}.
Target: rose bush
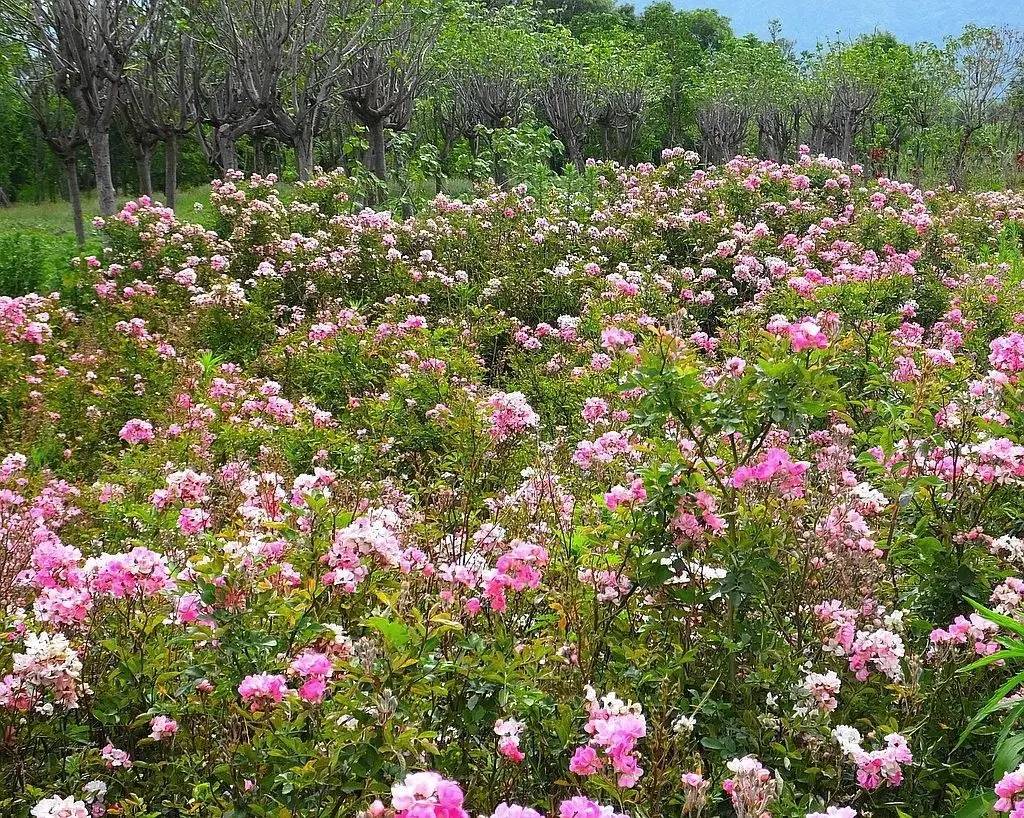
{"x": 663, "y": 495}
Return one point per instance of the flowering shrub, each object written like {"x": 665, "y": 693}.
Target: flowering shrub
{"x": 662, "y": 497}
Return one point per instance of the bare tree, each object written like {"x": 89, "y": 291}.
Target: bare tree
{"x": 89, "y": 45}
{"x": 723, "y": 127}
{"x": 159, "y": 97}
{"x": 58, "y": 126}
{"x": 224, "y": 110}
{"x": 837, "y": 113}
{"x": 142, "y": 140}
{"x": 778, "y": 128}
{"x": 987, "y": 63}
{"x": 324, "y": 37}
{"x": 570, "y": 105}
{"x": 385, "y": 76}
{"x": 621, "y": 117}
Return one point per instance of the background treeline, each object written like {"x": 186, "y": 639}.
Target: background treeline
{"x": 414, "y": 95}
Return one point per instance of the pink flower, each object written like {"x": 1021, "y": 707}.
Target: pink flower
{"x": 162, "y": 727}
{"x": 504, "y": 810}
{"x": 734, "y": 367}
{"x": 1007, "y": 353}
{"x": 192, "y": 521}
{"x": 751, "y": 788}
{"x": 136, "y": 431}
{"x": 58, "y": 807}
{"x": 114, "y": 757}
{"x": 580, "y": 806}
{"x": 775, "y": 466}
{"x": 262, "y": 690}
{"x": 509, "y": 732}
{"x": 315, "y": 668}
{"x": 509, "y": 414}
{"x": 1010, "y": 792}
{"x": 427, "y": 795}
{"x": 585, "y": 761}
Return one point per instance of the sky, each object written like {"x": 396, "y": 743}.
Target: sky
{"x": 808, "y": 21}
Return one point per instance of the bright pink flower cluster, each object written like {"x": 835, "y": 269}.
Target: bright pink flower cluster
{"x": 580, "y": 806}
{"x": 625, "y": 495}
{"x": 504, "y": 810}
{"x": 509, "y": 414}
{"x": 139, "y": 572}
{"x": 878, "y": 767}
{"x": 1010, "y": 793}
{"x": 427, "y": 795}
{"x": 805, "y": 334}
{"x": 1007, "y": 353}
{"x": 314, "y": 669}
{"x": 136, "y": 431}
{"x": 162, "y": 727}
{"x": 518, "y": 569}
{"x": 976, "y": 631}
{"x": 614, "y": 727}
{"x": 694, "y": 523}
{"x": 509, "y": 732}
{"x": 262, "y": 691}
{"x": 776, "y": 466}
{"x": 605, "y": 449}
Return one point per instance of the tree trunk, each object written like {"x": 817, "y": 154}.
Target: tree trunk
{"x": 144, "y": 167}
{"x": 99, "y": 147}
{"x": 956, "y": 167}
{"x": 574, "y": 153}
{"x": 259, "y": 159}
{"x": 497, "y": 166}
{"x": 75, "y": 197}
{"x": 171, "y": 169}
{"x": 376, "y": 161}
{"x": 228, "y": 152}
{"x": 304, "y": 156}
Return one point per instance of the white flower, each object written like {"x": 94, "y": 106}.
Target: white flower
{"x": 684, "y": 724}
{"x": 57, "y": 807}
{"x": 848, "y": 738}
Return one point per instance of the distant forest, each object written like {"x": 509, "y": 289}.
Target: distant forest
{"x": 132, "y": 96}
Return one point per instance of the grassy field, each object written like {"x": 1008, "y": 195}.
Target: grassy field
{"x": 36, "y": 241}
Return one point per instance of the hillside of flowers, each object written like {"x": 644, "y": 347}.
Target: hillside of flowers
{"x": 676, "y": 491}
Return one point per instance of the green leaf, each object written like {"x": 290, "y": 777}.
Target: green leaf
{"x": 396, "y": 633}
{"x": 1011, "y": 625}
{"x": 1009, "y": 755}
{"x": 990, "y": 707}
{"x": 977, "y": 807}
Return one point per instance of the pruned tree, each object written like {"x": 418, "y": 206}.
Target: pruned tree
{"x": 723, "y": 127}
{"x": 987, "y": 62}
{"x": 748, "y": 81}
{"x": 837, "y": 112}
{"x": 159, "y": 98}
{"x": 89, "y": 45}
{"x": 386, "y": 74}
{"x": 224, "y": 111}
{"x": 142, "y": 140}
{"x": 570, "y": 106}
{"x": 58, "y": 126}
{"x": 778, "y": 129}
{"x": 569, "y": 97}
{"x": 324, "y": 37}
{"x": 287, "y": 58}
{"x": 485, "y": 69}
